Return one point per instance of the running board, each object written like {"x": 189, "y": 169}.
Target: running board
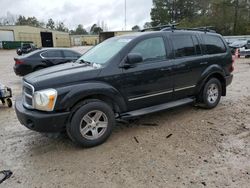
{"x": 156, "y": 108}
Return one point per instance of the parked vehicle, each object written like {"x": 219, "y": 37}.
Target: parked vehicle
{"x": 26, "y": 48}
{"x": 242, "y": 45}
{"x": 126, "y": 77}
{"x": 43, "y": 58}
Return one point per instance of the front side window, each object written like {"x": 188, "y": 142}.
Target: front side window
{"x": 214, "y": 44}
{"x": 183, "y": 46}
{"x": 152, "y": 49}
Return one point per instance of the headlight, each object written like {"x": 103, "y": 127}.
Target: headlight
{"x": 45, "y": 100}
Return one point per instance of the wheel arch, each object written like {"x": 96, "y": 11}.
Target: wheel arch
{"x": 213, "y": 72}
{"x": 74, "y": 95}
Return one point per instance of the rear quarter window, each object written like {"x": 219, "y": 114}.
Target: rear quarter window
{"x": 214, "y": 44}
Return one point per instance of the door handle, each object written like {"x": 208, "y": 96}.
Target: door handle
{"x": 203, "y": 63}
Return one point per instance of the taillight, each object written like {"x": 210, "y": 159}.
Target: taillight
{"x": 231, "y": 69}
{"x": 18, "y": 62}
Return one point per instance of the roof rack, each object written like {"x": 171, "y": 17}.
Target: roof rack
{"x": 172, "y": 27}
{"x": 205, "y": 29}
{"x": 161, "y": 27}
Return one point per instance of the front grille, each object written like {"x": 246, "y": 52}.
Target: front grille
{"x": 28, "y": 91}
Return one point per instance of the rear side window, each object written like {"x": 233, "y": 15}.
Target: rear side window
{"x": 214, "y": 44}
{"x": 183, "y": 46}
{"x": 152, "y": 49}
{"x": 52, "y": 54}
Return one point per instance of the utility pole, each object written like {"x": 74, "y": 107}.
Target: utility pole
{"x": 125, "y": 21}
{"x": 236, "y": 16}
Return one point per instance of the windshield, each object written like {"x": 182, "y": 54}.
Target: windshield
{"x": 104, "y": 51}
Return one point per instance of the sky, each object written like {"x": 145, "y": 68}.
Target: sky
{"x": 85, "y": 12}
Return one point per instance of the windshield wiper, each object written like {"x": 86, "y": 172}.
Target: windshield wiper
{"x": 85, "y": 62}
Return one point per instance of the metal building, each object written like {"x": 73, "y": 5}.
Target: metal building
{"x": 82, "y": 40}
{"x": 105, "y": 35}
{"x": 41, "y": 37}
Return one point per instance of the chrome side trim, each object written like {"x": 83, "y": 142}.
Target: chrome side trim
{"x": 184, "y": 88}
{"x": 151, "y": 95}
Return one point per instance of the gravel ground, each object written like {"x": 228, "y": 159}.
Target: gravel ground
{"x": 183, "y": 147}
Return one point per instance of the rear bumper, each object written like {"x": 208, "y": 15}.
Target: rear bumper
{"x": 229, "y": 79}
{"x": 41, "y": 121}
{"x": 22, "y": 70}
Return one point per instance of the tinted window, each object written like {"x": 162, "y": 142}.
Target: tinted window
{"x": 68, "y": 53}
{"x": 152, "y": 49}
{"x": 183, "y": 46}
{"x": 214, "y": 44}
{"x": 26, "y": 46}
{"x": 52, "y": 53}
{"x": 196, "y": 45}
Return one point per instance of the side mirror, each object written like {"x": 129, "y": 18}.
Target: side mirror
{"x": 134, "y": 58}
{"x": 131, "y": 60}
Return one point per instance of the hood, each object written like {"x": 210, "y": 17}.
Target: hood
{"x": 238, "y": 44}
{"x": 65, "y": 74}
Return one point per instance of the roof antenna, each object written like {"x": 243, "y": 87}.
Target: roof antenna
{"x": 125, "y": 8}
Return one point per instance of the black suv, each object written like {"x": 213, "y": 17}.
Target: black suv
{"x": 126, "y": 77}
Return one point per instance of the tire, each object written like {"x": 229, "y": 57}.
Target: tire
{"x": 211, "y": 94}
{"x": 9, "y": 103}
{"x": 91, "y": 124}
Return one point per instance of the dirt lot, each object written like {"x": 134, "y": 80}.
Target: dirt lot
{"x": 184, "y": 147}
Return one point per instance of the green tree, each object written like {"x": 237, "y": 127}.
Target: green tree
{"x": 136, "y": 28}
{"x": 31, "y": 21}
{"x": 147, "y": 25}
{"x": 229, "y": 17}
{"x": 96, "y": 30}
{"x": 50, "y": 24}
{"x": 61, "y": 27}
{"x": 80, "y": 30}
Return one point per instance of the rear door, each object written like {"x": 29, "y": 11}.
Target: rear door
{"x": 53, "y": 57}
{"x": 188, "y": 62}
{"x": 150, "y": 82}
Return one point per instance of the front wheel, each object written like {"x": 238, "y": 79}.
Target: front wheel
{"x": 91, "y": 124}
{"x": 211, "y": 93}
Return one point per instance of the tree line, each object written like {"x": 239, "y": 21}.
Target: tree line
{"x": 228, "y": 17}
{"x": 50, "y": 24}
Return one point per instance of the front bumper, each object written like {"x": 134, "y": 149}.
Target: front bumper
{"x": 229, "y": 79}
{"x": 41, "y": 121}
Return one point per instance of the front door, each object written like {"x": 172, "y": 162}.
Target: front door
{"x": 149, "y": 82}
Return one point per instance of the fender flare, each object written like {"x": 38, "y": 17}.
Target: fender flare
{"x": 215, "y": 70}
{"x": 69, "y": 96}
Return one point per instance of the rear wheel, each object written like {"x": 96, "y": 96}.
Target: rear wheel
{"x": 9, "y": 102}
{"x": 91, "y": 124}
{"x": 211, "y": 94}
